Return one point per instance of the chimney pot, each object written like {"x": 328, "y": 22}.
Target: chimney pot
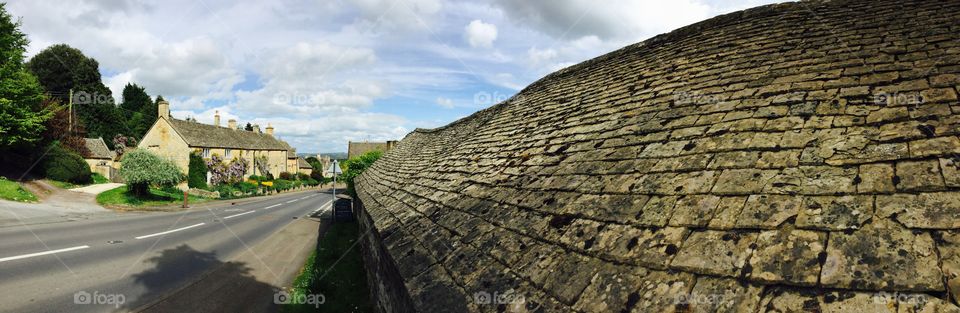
{"x": 216, "y": 119}
{"x": 232, "y": 124}
{"x": 269, "y": 129}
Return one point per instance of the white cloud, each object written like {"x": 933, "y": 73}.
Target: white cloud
{"x": 445, "y": 102}
{"x": 480, "y": 34}
{"x": 628, "y": 20}
{"x": 324, "y": 72}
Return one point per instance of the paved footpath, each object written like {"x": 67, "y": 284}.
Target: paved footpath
{"x": 248, "y": 282}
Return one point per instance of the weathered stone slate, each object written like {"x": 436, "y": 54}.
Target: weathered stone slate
{"x": 792, "y": 157}
{"x": 875, "y": 257}
{"x": 715, "y": 252}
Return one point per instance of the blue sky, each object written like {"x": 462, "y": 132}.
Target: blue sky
{"x": 326, "y": 72}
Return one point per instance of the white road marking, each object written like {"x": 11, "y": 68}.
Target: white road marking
{"x": 272, "y": 206}
{"x": 292, "y": 201}
{"x": 304, "y": 197}
{"x": 170, "y": 231}
{"x": 235, "y": 215}
{"x": 42, "y": 253}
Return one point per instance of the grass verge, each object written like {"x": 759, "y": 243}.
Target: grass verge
{"x": 11, "y": 190}
{"x": 123, "y": 198}
{"x": 336, "y": 271}
{"x": 95, "y": 178}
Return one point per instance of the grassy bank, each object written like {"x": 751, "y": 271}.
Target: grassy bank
{"x": 95, "y": 178}
{"x": 11, "y": 190}
{"x": 121, "y": 197}
{"x": 336, "y": 271}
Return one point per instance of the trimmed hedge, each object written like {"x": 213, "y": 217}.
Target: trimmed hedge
{"x": 64, "y": 165}
{"x": 197, "y": 172}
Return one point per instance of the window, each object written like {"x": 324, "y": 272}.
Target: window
{"x": 228, "y": 154}
{"x": 206, "y": 153}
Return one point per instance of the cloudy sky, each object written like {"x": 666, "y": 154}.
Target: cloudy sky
{"x": 323, "y": 72}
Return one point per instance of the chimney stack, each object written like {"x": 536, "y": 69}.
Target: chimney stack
{"x": 256, "y": 128}
{"x": 163, "y": 109}
{"x": 232, "y": 124}
{"x": 269, "y": 129}
{"x": 216, "y": 118}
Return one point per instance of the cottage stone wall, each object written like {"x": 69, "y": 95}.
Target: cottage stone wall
{"x": 800, "y": 156}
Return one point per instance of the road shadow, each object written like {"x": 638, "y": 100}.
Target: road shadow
{"x": 229, "y": 287}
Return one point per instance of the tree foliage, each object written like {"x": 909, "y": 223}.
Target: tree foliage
{"x": 142, "y": 169}
{"x": 139, "y": 109}
{"x": 355, "y": 166}
{"x": 60, "y": 69}
{"x": 22, "y": 114}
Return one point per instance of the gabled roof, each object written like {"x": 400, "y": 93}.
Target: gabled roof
{"x": 301, "y": 163}
{"x": 98, "y": 149}
{"x": 203, "y": 135}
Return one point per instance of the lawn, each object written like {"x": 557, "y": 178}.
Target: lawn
{"x": 121, "y": 197}
{"x": 342, "y": 282}
{"x": 97, "y": 179}
{"x": 11, "y": 190}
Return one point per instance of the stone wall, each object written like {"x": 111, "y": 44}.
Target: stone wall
{"x": 794, "y": 156}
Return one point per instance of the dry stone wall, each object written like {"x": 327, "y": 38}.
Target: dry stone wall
{"x": 800, "y": 156}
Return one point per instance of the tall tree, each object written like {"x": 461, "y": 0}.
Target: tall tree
{"x": 22, "y": 114}
{"x": 248, "y": 128}
{"x": 138, "y": 109}
{"x": 60, "y": 69}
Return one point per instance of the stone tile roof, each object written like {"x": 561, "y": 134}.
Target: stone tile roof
{"x": 98, "y": 149}
{"x": 301, "y": 163}
{"x": 800, "y": 156}
{"x": 209, "y": 136}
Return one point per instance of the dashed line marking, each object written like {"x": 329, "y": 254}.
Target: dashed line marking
{"x": 42, "y": 253}
{"x": 272, "y": 206}
{"x": 170, "y": 231}
{"x": 235, "y": 215}
{"x": 292, "y": 201}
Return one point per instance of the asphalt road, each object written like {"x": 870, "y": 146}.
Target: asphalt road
{"x": 94, "y": 265}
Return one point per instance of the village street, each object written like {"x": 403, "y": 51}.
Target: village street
{"x": 122, "y": 261}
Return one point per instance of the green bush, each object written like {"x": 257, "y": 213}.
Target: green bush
{"x": 282, "y": 184}
{"x": 286, "y": 176}
{"x": 247, "y": 187}
{"x": 99, "y": 179}
{"x": 226, "y": 191}
{"x": 142, "y": 169}
{"x": 356, "y": 165}
{"x": 64, "y": 165}
{"x": 303, "y": 176}
{"x": 197, "y": 172}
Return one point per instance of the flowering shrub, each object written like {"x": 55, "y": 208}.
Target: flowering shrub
{"x": 141, "y": 168}
{"x": 230, "y": 173}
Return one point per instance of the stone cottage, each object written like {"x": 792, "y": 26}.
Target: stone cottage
{"x": 175, "y": 139}
{"x": 100, "y": 159}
